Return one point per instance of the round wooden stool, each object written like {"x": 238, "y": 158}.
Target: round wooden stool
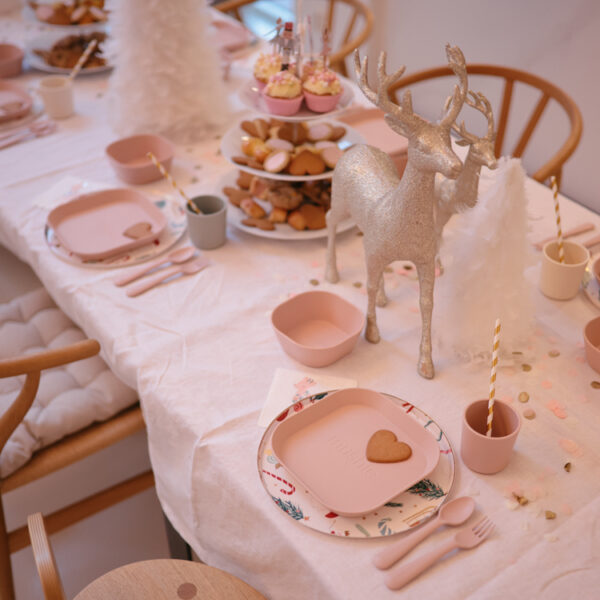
{"x": 168, "y": 580}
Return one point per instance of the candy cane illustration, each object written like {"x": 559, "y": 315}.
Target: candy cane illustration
{"x": 292, "y": 486}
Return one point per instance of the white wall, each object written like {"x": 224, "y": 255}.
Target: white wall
{"x": 556, "y": 40}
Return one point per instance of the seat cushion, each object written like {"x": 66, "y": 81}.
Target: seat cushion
{"x": 70, "y": 397}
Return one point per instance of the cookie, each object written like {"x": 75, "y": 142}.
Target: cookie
{"x": 284, "y": 196}
{"x": 276, "y": 143}
{"x": 384, "y": 447}
{"x": 255, "y": 147}
{"x": 139, "y": 230}
{"x": 257, "y": 128}
{"x": 319, "y": 131}
{"x": 259, "y": 223}
{"x": 314, "y": 216}
{"x": 337, "y": 133}
{"x": 296, "y": 220}
{"x": 235, "y": 195}
{"x": 278, "y": 215}
{"x": 276, "y": 161}
{"x": 244, "y": 180}
{"x": 293, "y": 132}
{"x": 247, "y": 161}
{"x": 252, "y": 209}
{"x": 331, "y": 155}
{"x": 324, "y": 144}
{"x": 306, "y": 163}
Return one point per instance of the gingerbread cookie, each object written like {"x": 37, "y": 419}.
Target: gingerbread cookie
{"x": 337, "y": 133}
{"x": 259, "y": 223}
{"x": 314, "y": 216}
{"x": 252, "y": 209}
{"x": 293, "y": 132}
{"x": 244, "y": 180}
{"x": 276, "y": 161}
{"x": 306, "y": 163}
{"x": 235, "y": 195}
{"x": 257, "y": 128}
{"x": 384, "y": 447}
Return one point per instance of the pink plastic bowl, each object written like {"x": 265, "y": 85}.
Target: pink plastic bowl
{"x": 321, "y": 104}
{"x": 591, "y": 338}
{"x": 128, "y": 157}
{"x": 11, "y": 60}
{"x": 285, "y": 107}
{"x": 317, "y": 328}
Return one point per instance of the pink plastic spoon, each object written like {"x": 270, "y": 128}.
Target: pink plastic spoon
{"x": 188, "y": 268}
{"x": 455, "y": 512}
{"x": 176, "y": 257}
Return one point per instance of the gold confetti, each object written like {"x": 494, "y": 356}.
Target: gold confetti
{"x": 388, "y": 270}
{"x": 517, "y": 352}
{"x": 550, "y": 514}
{"x": 194, "y": 180}
{"x": 529, "y": 414}
{"x": 567, "y": 467}
{"x": 407, "y": 267}
{"x": 595, "y": 384}
{"x": 525, "y": 367}
{"x": 521, "y": 499}
{"x": 357, "y": 284}
{"x": 553, "y": 353}
{"x": 523, "y": 397}
{"x": 197, "y": 166}
{"x": 359, "y": 233}
{"x": 314, "y": 282}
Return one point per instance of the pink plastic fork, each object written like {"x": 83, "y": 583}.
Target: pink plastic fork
{"x": 468, "y": 537}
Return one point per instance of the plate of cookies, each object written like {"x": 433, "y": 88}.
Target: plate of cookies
{"x": 299, "y": 151}
{"x": 355, "y": 451}
{"x": 279, "y": 210}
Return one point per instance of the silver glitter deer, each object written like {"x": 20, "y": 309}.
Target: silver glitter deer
{"x": 396, "y": 215}
{"x": 456, "y": 195}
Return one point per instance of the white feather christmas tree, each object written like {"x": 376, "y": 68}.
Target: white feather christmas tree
{"x": 167, "y": 78}
{"x": 485, "y": 275}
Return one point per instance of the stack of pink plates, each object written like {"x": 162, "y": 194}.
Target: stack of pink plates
{"x": 106, "y": 223}
{"x": 15, "y": 102}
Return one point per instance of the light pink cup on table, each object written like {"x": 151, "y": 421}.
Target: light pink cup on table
{"x": 561, "y": 281}
{"x": 56, "y": 92}
{"x": 591, "y": 338}
{"x": 321, "y": 103}
{"x": 484, "y": 454}
{"x": 285, "y": 107}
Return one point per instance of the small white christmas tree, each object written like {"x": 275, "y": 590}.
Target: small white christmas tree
{"x": 167, "y": 78}
{"x": 484, "y": 275}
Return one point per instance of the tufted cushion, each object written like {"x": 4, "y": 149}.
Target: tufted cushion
{"x": 70, "y": 397}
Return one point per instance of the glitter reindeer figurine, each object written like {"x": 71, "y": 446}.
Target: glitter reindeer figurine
{"x": 396, "y": 215}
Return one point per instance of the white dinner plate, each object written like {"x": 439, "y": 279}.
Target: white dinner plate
{"x": 29, "y": 16}
{"x": 251, "y": 97}
{"x": 282, "y": 231}
{"x": 45, "y": 42}
{"x": 231, "y": 145}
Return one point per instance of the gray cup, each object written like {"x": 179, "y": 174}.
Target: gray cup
{"x": 207, "y": 230}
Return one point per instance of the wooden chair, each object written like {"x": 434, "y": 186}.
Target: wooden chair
{"x": 60, "y": 454}
{"x": 348, "y": 44}
{"x": 156, "y": 579}
{"x": 512, "y": 76}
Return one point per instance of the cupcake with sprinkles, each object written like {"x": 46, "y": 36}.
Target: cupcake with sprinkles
{"x": 322, "y": 91}
{"x": 265, "y": 66}
{"x": 283, "y": 94}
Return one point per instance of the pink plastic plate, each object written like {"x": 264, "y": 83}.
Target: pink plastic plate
{"x": 324, "y": 448}
{"x": 95, "y": 225}
{"x": 15, "y": 102}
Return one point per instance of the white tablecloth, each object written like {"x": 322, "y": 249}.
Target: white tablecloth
{"x": 201, "y": 354}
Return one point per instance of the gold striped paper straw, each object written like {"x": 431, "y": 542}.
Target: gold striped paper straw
{"x": 83, "y": 58}
{"x": 495, "y": 347}
{"x": 561, "y": 249}
{"x": 168, "y": 177}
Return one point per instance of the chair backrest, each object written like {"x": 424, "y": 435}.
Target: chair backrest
{"x": 510, "y": 76}
{"x": 349, "y": 40}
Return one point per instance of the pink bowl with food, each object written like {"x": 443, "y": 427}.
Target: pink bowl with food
{"x": 321, "y": 103}
{"x": 128, "y": 157}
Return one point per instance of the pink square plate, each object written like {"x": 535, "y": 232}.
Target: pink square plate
{"x": 105, "y": 223}
{"x": 324, "y": 447}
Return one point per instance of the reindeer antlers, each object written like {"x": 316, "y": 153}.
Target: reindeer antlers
{"x": 482, "y": 104}
{"x": 456, "y": 61}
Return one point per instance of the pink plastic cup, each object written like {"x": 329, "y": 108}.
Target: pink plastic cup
{"x": 591, "y": 337}
{"x": 323, "y": 103}
{"x": 484, "y": 454}
{"x": 286, "y": 107}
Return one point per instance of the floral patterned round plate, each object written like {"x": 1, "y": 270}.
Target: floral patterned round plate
{"x": 176, "y": 226}
{"x": 411, "y": 508}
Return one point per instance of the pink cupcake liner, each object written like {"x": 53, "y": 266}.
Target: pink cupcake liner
{"x": 260, "y": 84}
{"x": 321, "y": 104}
{"x": 286, "y": 107}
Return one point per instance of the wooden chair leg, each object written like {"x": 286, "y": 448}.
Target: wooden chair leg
{"x": 7, "y": 591}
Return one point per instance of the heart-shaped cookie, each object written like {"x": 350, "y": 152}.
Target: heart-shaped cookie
{"x": 137, "y": 231}
{"x": 384, "y": 447}
{"x": 306, "y": 163}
